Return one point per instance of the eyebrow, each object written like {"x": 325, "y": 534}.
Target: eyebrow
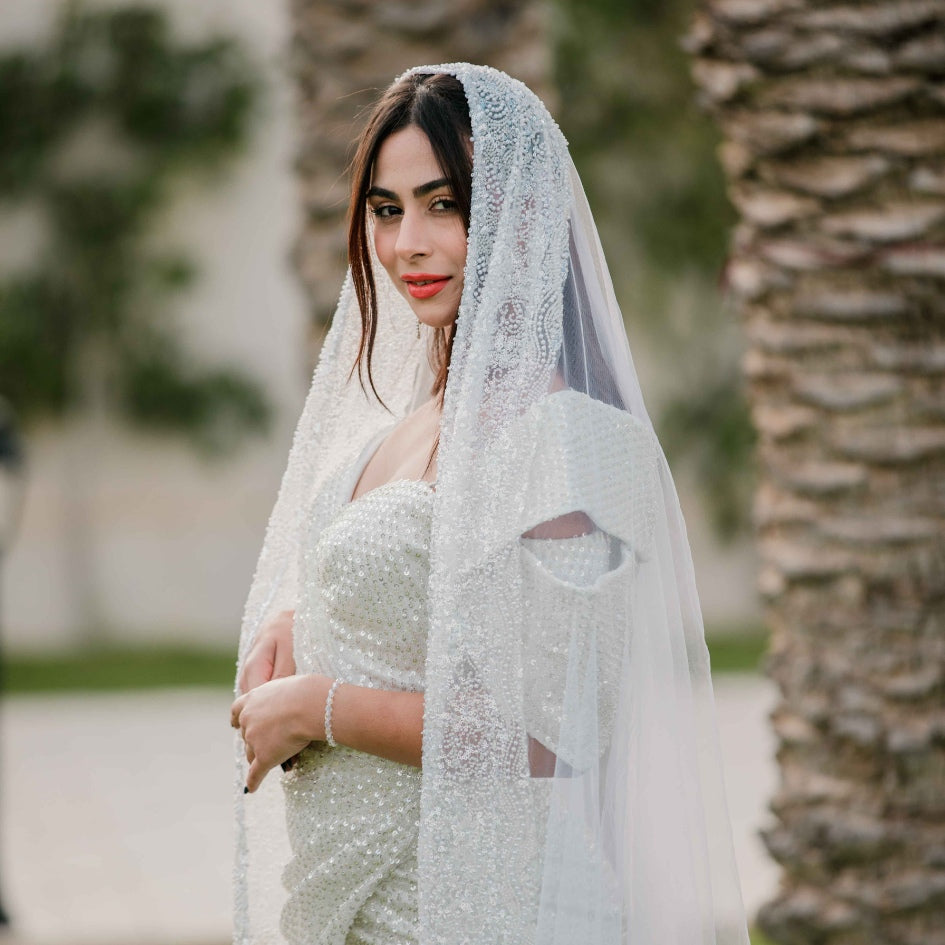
{"x": 420, "y": 191}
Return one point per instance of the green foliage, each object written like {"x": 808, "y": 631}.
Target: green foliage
{"x": 648, "y": 162}
{"x": 627, "y": 108}
{"x": 90, "y": 317}
{"x": 113, "y": 667}
{"x": 758, "y": 937}
{"x": 218, "y": 402}
{"x": 737, "y": 650}
{"x": 724, "y": 459}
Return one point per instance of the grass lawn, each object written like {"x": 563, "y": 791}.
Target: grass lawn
{"x": 740, "y": 652}
{"x": 106, "y": 668}
{"x": 135, "y": 667}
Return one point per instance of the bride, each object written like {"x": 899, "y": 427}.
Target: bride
{"x": 473, "y": 642}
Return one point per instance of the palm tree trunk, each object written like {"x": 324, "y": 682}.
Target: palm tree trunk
{"x": 345, "y": 52}
{"x": 833, "y": 124}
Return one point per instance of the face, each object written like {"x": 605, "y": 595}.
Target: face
{"x": 419, "y": 235}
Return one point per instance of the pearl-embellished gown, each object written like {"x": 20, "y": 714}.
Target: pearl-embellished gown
{"x": 352, "y": 817}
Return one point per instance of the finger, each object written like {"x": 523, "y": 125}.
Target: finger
{"x": 258, "y": 671}
{"x": 236, "y": 710}
{"x": 250, "y": 754}
{"x": 257, "y": 771}
{"x": 284, "y": 663}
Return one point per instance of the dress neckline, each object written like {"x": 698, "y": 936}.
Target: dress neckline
{"x": 429, "y": 488}
{"x": 367, "y": 454}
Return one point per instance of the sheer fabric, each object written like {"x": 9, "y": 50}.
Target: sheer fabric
{"x": 571, "y": 784}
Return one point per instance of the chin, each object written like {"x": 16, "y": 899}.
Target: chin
{"x": 433, "y": 321}
{"x": 439, "y": 316}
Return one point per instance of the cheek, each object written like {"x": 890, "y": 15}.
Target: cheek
{"x": 384, "y": 248}
{"x": 458, "y": 249}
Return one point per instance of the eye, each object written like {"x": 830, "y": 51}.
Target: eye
{"x": 385, "y": 211}
{"x": 443, "y": 205}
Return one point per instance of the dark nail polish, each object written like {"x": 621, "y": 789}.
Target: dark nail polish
{"x": 245, "y": 789}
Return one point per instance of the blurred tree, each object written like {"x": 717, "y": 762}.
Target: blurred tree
{"x": 646, "y": 156}
{"x": 94, "y": 129}
{"x": 834, "y": 149}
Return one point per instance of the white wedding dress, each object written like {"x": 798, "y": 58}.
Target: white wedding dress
{"x": 353, "y": 818}
{"x": 572, "y": 790}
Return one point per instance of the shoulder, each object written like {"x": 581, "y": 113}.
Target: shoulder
{"x": 569, "y": 453}
{"x": 580, "y": 429}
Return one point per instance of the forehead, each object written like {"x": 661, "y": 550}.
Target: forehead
{"x": 405, "y": 160}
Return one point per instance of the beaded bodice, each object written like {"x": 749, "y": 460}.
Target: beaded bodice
{"x": 362, "y": 613}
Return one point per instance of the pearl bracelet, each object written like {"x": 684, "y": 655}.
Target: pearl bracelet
{"x": 328, "y": 707}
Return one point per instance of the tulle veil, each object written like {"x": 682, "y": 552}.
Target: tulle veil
{"x": 572, "y": 786}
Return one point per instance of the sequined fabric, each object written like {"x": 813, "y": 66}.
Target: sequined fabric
{"x": 352, "y": 818}
{"x": 362, "y": 612}
{"x": 564, "y": 637}
{"x": 588, "y": 573}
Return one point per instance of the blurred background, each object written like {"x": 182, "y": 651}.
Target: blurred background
{"x": 156, "y": 337}
{"x": 172, "y": 197}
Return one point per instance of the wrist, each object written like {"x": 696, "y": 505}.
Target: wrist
{"x": 311, "y": 711}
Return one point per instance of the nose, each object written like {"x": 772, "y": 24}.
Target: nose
{"x": 413, "y": 236}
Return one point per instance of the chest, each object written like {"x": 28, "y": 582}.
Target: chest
{"x": 363, "y": 612}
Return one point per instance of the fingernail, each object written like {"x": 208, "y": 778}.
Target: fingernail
{"x": 245, "y": 789}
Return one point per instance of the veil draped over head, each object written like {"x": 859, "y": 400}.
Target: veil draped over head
{"x": 571, "y": 784}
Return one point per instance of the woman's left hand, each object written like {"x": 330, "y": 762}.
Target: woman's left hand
{"x": 278, "y": 719}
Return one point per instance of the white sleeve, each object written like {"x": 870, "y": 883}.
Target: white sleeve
{"x": 573, "y": 589}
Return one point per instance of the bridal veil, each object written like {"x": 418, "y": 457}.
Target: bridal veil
{"x": 572, "y": 790}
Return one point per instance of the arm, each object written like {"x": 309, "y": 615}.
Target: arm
{"x": 279, "y": 718}
{"x": 381, "y": 722}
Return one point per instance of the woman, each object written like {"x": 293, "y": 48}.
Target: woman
{"x": 497, "y": 713}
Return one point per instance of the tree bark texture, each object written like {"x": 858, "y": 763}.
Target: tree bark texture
{"x": 345, "y": 52}
{"x": 833, "y": 124}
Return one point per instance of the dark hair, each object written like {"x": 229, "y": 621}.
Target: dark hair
{"x": 436, "y": 104}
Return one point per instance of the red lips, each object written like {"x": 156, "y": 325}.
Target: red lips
{"x": 424, "y": 285}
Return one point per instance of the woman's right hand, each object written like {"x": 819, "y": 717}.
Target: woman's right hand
{"x": 270, "y": 656}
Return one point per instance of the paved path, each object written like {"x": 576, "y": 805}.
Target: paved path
{"x": 115, "y": 814}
